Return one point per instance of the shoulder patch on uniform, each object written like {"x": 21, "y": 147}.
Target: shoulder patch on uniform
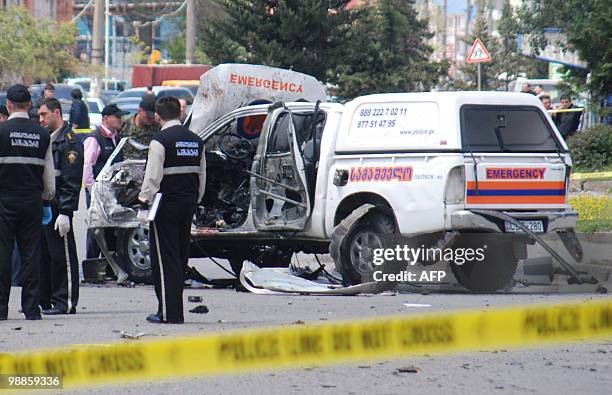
{"x": 72, "y": 157}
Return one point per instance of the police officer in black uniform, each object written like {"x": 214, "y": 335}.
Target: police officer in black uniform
{"x": 26, "y": 179}
{"x": 59, "y": 266}
{"x": 176, "y": 167}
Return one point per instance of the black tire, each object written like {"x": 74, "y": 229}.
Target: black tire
{"x": 133, "y": 254}
{"x": 492, "y": 274}
{"x": 353, "y": 241}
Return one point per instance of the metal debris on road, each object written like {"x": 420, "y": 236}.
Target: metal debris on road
{"x": 408, "y": 369}
{"x": 201, "y": 309}
{"x": 194, "y": 299}
{"x": 130, "y": 336}
{"x": 277, "y": 281}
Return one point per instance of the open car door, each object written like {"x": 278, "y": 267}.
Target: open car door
{"x": 279, "y": 194}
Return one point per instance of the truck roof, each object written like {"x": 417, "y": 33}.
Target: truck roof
{"x": 417, "y": 121}
{"x": 460, "y": 97}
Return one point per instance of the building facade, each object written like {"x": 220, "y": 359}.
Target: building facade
{"x": 60, "y": 10}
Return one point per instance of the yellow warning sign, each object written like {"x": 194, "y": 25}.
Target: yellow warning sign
{"x": 338, "y": 342}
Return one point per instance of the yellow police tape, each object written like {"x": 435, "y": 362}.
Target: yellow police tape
{"x": 307, "y": 345}
{"x": 591, "y": 176}
{"x": 565, "y": 110}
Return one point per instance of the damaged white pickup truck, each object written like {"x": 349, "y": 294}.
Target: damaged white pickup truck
{"x": 447, "y": 170}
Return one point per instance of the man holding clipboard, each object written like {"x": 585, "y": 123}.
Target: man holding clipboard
{"x": 176, "y": 173}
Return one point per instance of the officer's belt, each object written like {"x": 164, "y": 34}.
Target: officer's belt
{"x": 19, "y": 160}
{"x": 181, "y": 170}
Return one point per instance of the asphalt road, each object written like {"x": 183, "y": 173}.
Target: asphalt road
{"x": 105, "y": 310}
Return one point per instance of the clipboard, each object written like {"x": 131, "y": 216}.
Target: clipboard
{"x": 154, "y": 207}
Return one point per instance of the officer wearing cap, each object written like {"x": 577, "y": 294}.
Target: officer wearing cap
{"x": 176, "y": 167}
{"x": 98, "y": 148}
{"x": 60, "y": 271}
{"x": 140, "y": 128}
{"x": 26, "y": 179}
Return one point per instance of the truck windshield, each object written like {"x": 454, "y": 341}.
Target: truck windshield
{"x": 506, "y": 129}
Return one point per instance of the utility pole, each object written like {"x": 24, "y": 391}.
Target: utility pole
{"x": 190, "y": 33}
{"x": 468, "y": 15}
{"x": 445, "y": 28}
{"x": 106, "y": 42}
{"x": 97, "y": 47}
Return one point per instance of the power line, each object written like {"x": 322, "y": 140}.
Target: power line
{"x": 82, "y": 11}
{"x": 159, "y": 18}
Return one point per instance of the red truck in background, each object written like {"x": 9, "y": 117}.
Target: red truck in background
{"x": 156, "y": 74}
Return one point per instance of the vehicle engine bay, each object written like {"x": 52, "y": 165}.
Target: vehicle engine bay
{"x": 227, "y": 198}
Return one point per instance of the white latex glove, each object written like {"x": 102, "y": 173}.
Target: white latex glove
{"x": 142, "y": 216}
{"x": 62, "y": 224}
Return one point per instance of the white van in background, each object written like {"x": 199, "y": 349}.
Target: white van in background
{"x": 551, "y": 87}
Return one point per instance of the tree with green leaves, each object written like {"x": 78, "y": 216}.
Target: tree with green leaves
{"x": 586, "y": 27}
{"x": 387, "y": 51}
{"x": 470, "y": 70}
{"x": 299, "y": 35}
{"x": 34, "y": 48}
{"x": 508, "y": 63}
{"x": 368, "y": 49}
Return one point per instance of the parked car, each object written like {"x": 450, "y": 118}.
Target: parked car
{"x": 160, "y": 91}
{"x": 95, "y": 107}
{"x": 551, "y": 87}
{"x": 129, "y": 104}
{"x": 192, "y": 85}
{"x": 95, "y": 87}
{"x": 63, "y": 93}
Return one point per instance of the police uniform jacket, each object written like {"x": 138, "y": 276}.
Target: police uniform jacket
{"x": 176, "y": 166}
{"x": 68, "y": 163}
{"x": 26, "y": 163}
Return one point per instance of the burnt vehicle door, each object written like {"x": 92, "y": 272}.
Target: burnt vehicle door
{"x": 279, "y": 187}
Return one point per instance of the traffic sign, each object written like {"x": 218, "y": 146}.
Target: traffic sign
{"x": 478, "y": 53}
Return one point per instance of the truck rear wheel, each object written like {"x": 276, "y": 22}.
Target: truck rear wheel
{"x": 494, "y": 272}
{"x": 133, "y": 254}
{"x": 353, "y": 243}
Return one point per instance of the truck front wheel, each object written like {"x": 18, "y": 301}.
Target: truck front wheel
{"x": 493, "y": 272}
{"x": 354, "y": 242}
{"x": 133, "y": 254}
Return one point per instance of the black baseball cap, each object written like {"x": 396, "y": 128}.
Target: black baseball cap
{"x": 18, "y": 94}
{"x": 113, "y": 109}
{"x": 148, "y": 105}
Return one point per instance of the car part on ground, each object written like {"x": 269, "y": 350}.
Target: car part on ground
{"x": 281, "y": 281}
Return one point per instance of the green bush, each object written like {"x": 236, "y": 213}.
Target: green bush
{"x": 592, "y": 149}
